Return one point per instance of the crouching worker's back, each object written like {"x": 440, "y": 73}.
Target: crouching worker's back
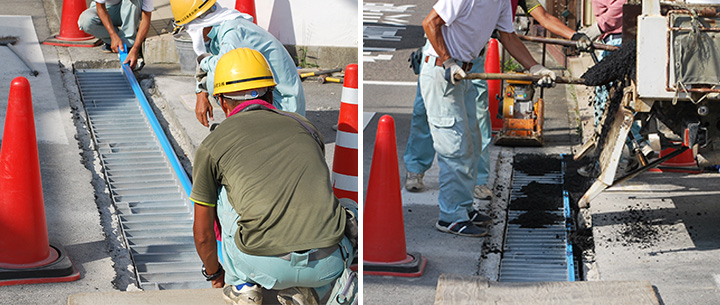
{"x": 262, "y": 173}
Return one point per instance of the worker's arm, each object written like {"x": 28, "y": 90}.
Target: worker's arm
{"x": 205, "y": 241}
{"x": 134, "y": 52}
{"x": 552, "y": 23}
{"x": 517, "y": 49}
{"x": 432, "y": 25}
{"x": 115, "y": 41}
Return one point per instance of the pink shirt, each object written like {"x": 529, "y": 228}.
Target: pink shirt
{"x": 608, "y": 14}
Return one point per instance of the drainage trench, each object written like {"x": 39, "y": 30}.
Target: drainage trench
{"x": 536, "y": 246}
{"x": 146, "y": 182}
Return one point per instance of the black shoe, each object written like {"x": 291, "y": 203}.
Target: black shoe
{"x": 464, "y": 228}
{"x": 479, "y": 219}
{"x": 106, "y": 48}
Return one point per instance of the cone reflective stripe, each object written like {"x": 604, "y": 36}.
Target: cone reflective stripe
{"x": 345, "y": 159}
{"x": 247, "y": 7}
{"x": 383, "y": 226}
{"x": 70, "y": 34}
{"x": 25, "y": 253}
{"x": 492, "y": 65}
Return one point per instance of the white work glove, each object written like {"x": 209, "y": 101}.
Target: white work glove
{"x": 582, "y": 42}
{"x": 593, "y": 32}
{"x": 453, "y": 72}
{"x": 548, "y": 76}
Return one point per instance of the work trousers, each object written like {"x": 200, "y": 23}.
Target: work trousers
{"x": 273, "y": 272}
{"x": 419, "y": 152}
{"x": 125, "y": 16}
{"x": 452, "y": 118}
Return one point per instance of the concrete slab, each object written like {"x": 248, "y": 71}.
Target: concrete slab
{"x": 207, "y": 296}
{"x": 48, "y": 125}
{"x": 454, "y": 289}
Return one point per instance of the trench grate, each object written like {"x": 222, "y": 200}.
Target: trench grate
{"x": 536, "y": 247}
{"x": 152, "y": 202}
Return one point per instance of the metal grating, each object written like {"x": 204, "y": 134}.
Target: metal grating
{"x": 153, "y": 206}
{"x": 537, "y": 254}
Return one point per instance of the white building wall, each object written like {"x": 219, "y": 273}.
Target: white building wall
{"x": 331, "y": 23}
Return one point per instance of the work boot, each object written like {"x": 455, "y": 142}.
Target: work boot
{"x": 482, "y": 192}
{"x": 247, "y": 294}
{"x": 297, "y": 296}
{"x": 414, "y": 182}
{"x": 106, "y": 48}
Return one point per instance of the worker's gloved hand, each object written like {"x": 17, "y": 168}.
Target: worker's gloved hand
{"x": 453, "y": 72}
{"x": 593, "y": 32}
{"x": 582, "y": 42}
{"x": 548, "y": 76}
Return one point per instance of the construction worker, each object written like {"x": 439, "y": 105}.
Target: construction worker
{"x": 115, "y": 22}
{"x": 457, "y": 30}
{"x": 262, "y": 173}
{"x": 419, "y": 152}
{"x": 216, "y": 30}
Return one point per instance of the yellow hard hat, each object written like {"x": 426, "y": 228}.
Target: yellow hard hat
{"x": 185, "y": 11}
{"x": 242, "y": 69}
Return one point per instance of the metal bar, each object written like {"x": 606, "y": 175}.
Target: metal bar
{"x": 566, "y": 42}
{"x": 524, "y": 77}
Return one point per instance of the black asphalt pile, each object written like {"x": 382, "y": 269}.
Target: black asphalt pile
{"x": 540, "y": 202}
{"x": 536, "y": 164}
{"x": 616, "y": 66}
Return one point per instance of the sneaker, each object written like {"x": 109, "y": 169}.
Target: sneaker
{"x": 479, "y": 219}
{"x": 414, "y": 182}
{"x": 591, "y": 170}
{"x": 297, "y": 296}
{"x": 244, "y": 294}
{"x": 106, "y": 48}
{"x": 482, "y": 192}
{"x": 464, "y": 228}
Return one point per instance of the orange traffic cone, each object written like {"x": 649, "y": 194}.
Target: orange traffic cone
{"x": 683, "y": 163}
{"x": 384, "y": 229}
{"x": 247, "y": 7}
{"x": 345, "y": 160}
{"x": 70, "y": 34}
{"x": 492, "y": 65}
{"x": 26, "y": 257}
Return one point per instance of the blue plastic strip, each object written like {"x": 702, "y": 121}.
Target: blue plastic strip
{"x": 164, "y": 142}
{"x": 568, "y": 228}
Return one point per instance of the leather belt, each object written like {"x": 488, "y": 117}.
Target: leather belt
{"x": 466, "y": 66}
{"x": 313, "y": 256}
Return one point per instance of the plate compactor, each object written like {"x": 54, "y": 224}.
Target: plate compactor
{"x": 522, "y": 116}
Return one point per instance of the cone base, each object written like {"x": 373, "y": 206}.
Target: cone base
{"x": 414, "y": 268}
{"x": 60, "y": 270}
{"x": 81, "y": 42}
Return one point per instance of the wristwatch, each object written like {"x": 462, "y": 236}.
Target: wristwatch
{"x": 210, "y": 277}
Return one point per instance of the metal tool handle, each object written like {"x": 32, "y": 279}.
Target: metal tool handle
{"x": 566, "y": 42}
{"x": 525, "y": 77}
{"x": 24, "y": 60}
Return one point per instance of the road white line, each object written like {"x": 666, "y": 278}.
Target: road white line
{"x": 367, "y": 116}
{"x": 387, "y": 83}
{"x": 717, "y": 279}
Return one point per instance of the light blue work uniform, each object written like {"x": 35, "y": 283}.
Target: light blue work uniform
{"x": 419, "y": 152}
{"x": 602, "y": 96}
{"x": 272, "y": 272}
{"x": 241, "y": 33}
{"x": 125, "y": 16}
{"x": 452, "y": 119}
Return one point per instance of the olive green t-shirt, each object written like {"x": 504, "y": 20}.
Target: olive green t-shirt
{"x": 277, "y": 180}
